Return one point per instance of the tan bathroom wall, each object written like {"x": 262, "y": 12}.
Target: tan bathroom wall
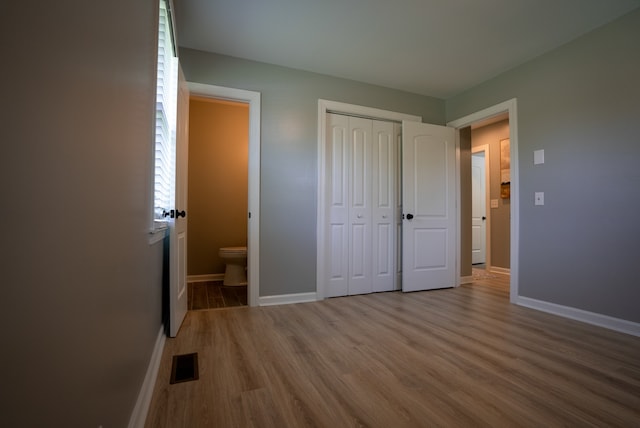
{"x": 501, "y": 216}
{"x": 218, "y": 170}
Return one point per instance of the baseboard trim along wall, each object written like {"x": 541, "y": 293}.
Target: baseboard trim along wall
{"x": 617, "y": 324}
{"x": 466, "y": 279}
{"x": 286, "y": 299}
{"x": 500, "y": 270}
{"x": 139, "y": 414}
{"x": 205, "y": 278}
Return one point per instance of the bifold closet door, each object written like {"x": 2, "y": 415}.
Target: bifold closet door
{"x": 337, "y": 205}
{"x": 384, "y": 197}
{"x": 361, "y": 185}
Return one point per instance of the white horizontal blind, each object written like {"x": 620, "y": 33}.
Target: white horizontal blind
{"x": 166, "y": 103}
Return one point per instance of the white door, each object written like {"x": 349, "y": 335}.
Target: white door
{"x": 337, "y": 207}
{"x": 178, "y": 221}
{"x": 361, "y": 205}
{"x": 429, "y": 207}
{"x": 383, "y": 215}
{"x": 478, "y": 208}
{"x": 360, "y": 278}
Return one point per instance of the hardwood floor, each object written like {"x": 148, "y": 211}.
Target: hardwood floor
{"x": 455, "y": 357}
{"x": 212, "y": 295}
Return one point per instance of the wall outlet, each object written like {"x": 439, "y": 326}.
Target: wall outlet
{"x": 539, "y": 198}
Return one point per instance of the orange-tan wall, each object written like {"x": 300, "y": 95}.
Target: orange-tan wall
{"x": 218, "y": 170}
{"x": 501, "y": 216}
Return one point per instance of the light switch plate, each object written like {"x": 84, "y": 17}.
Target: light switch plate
{"x": 538, "y": 157}
{"x": 539, "y": 198}
{"x": 494, "y": 203}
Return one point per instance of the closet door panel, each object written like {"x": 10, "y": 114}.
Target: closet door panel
{"x": 337, "y": 187}
{"x": 397, "y": 131}
{"x": 383, "y": 185}
{"x": 360, "y": 206}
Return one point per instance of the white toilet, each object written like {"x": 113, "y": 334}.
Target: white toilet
{"x": 235, "y": 259}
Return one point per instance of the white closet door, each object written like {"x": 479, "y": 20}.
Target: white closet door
{"x": 360, "y": 207}
{"x": 429, "y": 232}
{"x": 337, "y": 214}
{"x": 384, "y": 206}
{"x": 397, "y": 129}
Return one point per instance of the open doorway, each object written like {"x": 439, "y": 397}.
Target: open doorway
{"x": 480, "y": 200}
{"x": 492, "y": 131}
{"x": 217, "y": 202}
{"x": 245, "y": 194}
{"x": 490, "y": 194}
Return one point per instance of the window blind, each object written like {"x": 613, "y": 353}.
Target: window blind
{"x": 166, "y": 103}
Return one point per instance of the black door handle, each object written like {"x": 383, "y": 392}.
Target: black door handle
{"x": 484, "y": 218}
{"x": 174, "y": 213}
{"x": 409, "y": 216}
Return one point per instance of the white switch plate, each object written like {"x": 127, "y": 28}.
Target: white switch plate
{"x": 538, "y": 157}
{"x": 494, "y": 203}
{"x": 539, "y": 198}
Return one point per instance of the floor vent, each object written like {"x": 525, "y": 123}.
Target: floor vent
{"x": 184, "y": 368}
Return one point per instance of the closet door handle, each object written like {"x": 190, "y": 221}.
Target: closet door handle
{"x": 409, "y": 216}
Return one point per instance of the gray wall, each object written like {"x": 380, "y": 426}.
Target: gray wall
{"x": 580, "y": 103}
{"x": 289, "y": 153}
{"x": 81, "y": 286}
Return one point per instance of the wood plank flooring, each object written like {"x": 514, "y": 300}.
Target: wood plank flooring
{"x": 212, "y": 294}
{"x": 443, "y": 358}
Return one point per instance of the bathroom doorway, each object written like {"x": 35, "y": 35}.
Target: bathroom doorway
{"x": 222, "y": 193}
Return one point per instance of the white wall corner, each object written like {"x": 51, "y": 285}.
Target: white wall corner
{"x": 139, "y": 414}
{"x": 616, "y": 324}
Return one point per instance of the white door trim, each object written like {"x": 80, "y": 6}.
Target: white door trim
{"x": 487, "y": 191}
{"x": 253, "y": 244}
{"x": 510, "y": 107}
{"x": 325, "y": 106}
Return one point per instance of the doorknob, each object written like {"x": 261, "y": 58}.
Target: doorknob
{"x": 174, "y": 213}
{"x": 484, "y": 218}
{"x": 409, "y": 216}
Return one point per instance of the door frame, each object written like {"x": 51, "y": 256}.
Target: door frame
{"x": 253, "y": 242}
{"x": 487, "y": 199}
{"x": 324, "y": 107}
{"x": 510, "y": 107}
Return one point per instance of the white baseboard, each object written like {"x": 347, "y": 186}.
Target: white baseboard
{"x": 139, "y": 414}
{"x": 285, "y": 299}
{"x": 466, "y": 279}
{"x": 205, "y": 278}
{"x": 617, "y": 324}
{"x": 500, "y": 270}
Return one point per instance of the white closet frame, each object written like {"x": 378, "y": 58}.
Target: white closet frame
{"x": 324, "y": 107}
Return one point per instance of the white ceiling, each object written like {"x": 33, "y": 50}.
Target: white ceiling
{"x": 431, "y": 47}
